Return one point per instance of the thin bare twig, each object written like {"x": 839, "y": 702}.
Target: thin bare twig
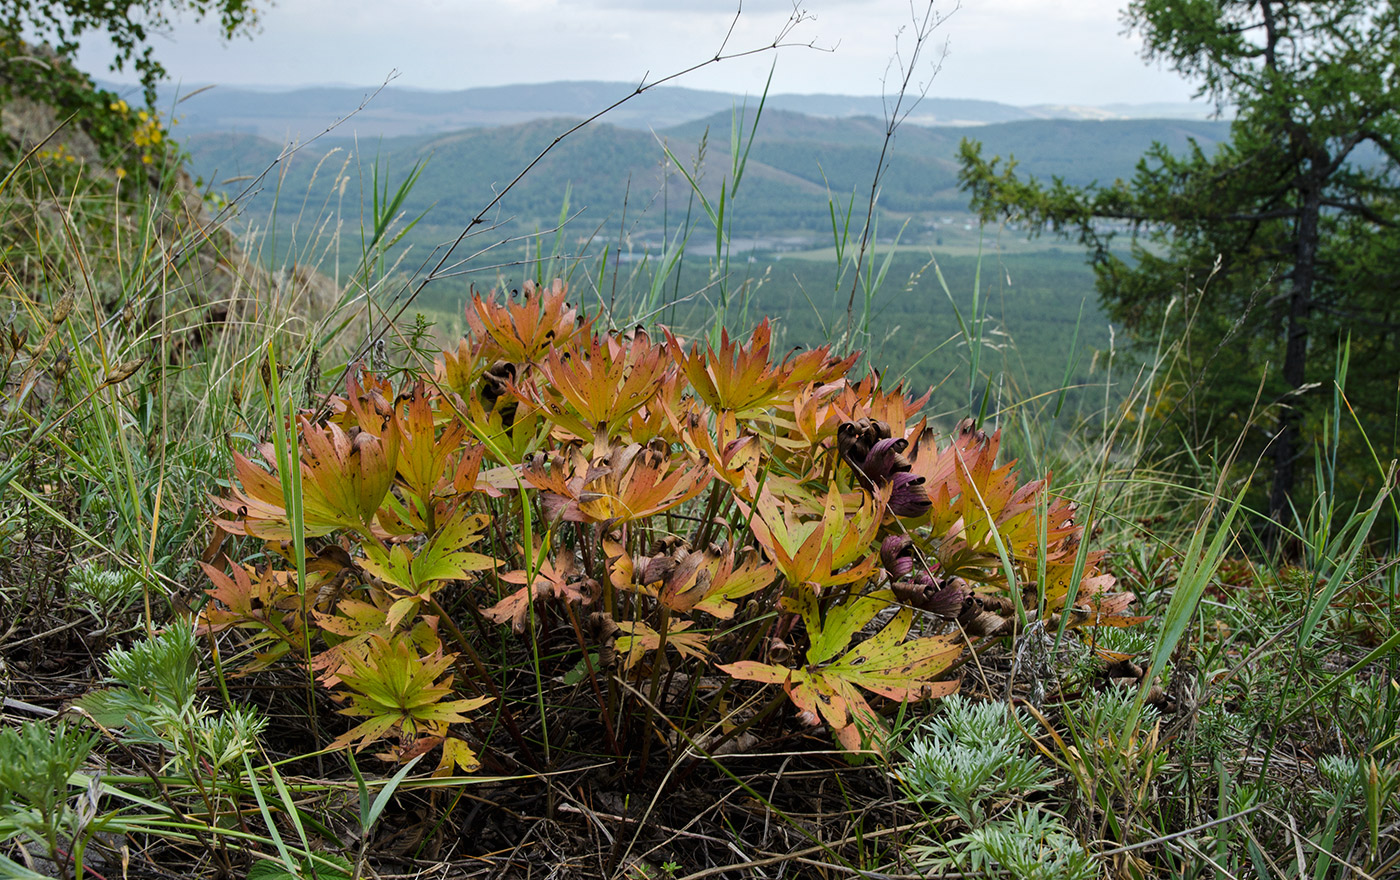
{"x": 894, "y": 116}
{"x": 798, "y": 17}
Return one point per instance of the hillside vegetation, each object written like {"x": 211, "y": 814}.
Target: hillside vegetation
{"x": 795, "y": 161}
{"x": 661, "y": 554}
{"x": 798, "y": 170}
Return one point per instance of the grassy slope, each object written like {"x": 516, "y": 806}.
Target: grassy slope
{"x": 1280, "y": 710}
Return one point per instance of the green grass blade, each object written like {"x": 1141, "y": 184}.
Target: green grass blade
{"x": 1340, "y": 569}
{"x": 382, "y": 799}
{"x": 1197, "y": 568}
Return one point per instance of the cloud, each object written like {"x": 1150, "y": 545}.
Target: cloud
{"x": 1018, "y": 51}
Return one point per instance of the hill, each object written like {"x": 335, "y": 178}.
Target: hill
{"x": 795, "y": 161}
{"x": 627, "y": 197}
{"x": 300, "y": 113}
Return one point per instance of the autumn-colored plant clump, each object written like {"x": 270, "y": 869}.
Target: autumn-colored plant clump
{"x": 666, "y": 529}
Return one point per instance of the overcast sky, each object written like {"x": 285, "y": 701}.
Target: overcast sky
{"x": 1014, "y": 51}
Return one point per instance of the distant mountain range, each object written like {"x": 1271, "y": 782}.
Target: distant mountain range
{"x": 300, "y": 113}
{"x": 810, "y": 167}
{"x": 612, "y": 173}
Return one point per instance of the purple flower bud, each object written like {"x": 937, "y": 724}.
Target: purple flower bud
{"x": 885, "y": 460}
{"x": 897, "y": 555}
{"x": 948, "y": 601}
{"x": 908, "y": 498}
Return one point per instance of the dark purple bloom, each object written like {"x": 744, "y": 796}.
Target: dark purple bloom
{"x": 941, "y": 596}
{"x": 897, "y": 555}
{"x": 947, "y": 601}
{"x": 908, "y": 497}
{"x": 885, "y": 460}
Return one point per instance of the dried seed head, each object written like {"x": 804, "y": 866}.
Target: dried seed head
{"x": 123, "y": 371}
{"x": 62, "y": 309}
{"x": 778, "y": 651}
{"x": 968, "y": 428}
{"x": 946, "y": 598}
{"x": 602, "y": 626}
{"x": 977, "y": 619}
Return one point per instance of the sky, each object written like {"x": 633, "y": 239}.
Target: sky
{"x": 1014, "y": 51}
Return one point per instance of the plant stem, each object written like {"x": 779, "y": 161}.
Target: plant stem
{"x": 507, "y": 717}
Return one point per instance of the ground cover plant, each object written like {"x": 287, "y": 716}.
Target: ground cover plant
{"x": 580, "y": 593}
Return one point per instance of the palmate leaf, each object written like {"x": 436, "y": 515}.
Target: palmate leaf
{"x": 345, "y": 478}
{"x": 621, "y": 484}
{"x": 456, "y": 755}
{"x": 816, "y": 412}
{"x": 697, "y": 581}
{"x": 424, "y": 453}
{"x": 368, "y": 405}
{"x": 559, "y": 578}
{"x": 827, "y": 689}
{"x": 352, "y": 618}
{"x": 816, "y": 552}
{"x": 742, "y": 380}
{"x": 524, "y": 331}
{"x": 250, "y": 598}
{"x": 634, "y": 482}
{"x": 443, "y": 558}
{"x": 662, "y": 416}
{"x": 263, "y": 602}
{"x": 526, "y": 435}
{"x": 732, "y": 579}
{"x": 461, "y": 369}
{"x": 734, "y": 456}
{"x": 558, "y": 479}
{"x": 354, "y": 622}
{"x": 810, "y": 417}
{"x": 395, "y": 689}
{"x": 593, "y": 388}
{"x": 641, "y": 639}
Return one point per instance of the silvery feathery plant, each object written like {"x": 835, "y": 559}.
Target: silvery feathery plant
{"x": 973, "y": 760}
{"x": 36, "y": 764}
{"x": 1029, "y": 844}
{"x": 154, "y": 701}
{"x": 106, "y": 592}
{"x": 969, "y": 756}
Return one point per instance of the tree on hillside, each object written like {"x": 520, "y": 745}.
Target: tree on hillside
{"x": 127, "y": 24}
{"x": 1295, "y": 221}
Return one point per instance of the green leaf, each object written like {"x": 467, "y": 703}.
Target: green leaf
{"x": 885, "y": 664}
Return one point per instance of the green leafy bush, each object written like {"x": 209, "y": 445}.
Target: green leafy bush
{"x": 663, "y": 524}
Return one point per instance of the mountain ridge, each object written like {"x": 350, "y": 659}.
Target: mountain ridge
{"x": 796, "y": 160}
{"x": 392, "y": 111}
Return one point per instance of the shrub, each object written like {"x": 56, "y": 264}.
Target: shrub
{"x": 665, "y": 522}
